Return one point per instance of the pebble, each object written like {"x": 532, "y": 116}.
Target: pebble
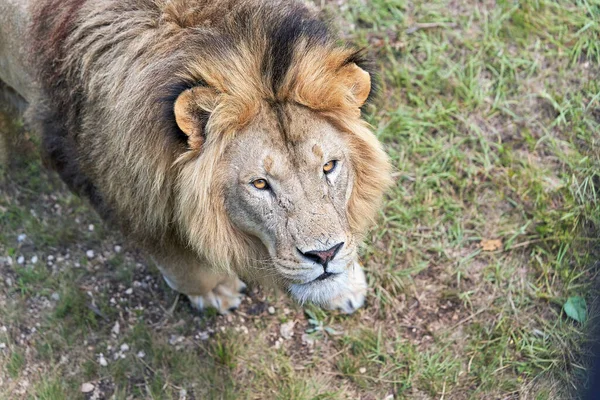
{"x": 203, "y": 335}
{"x": 2, "y": 346}
{"x": 8, "y": 282}
{"x": 9, "y": 261}
{"x": 174, "y": 339}
{"x": 87, "y": 387}
{"x": 34, "y": 259}
{"x": 271, "y": 310}
{"x": 129, "y": 291}
{"x": 21, "y": 260}
{"x": 21, "y": 237}
{"x": 362, "y": 370}
{"x": 50, "y": 258}
{"x": 141, "y": 354}
{"x": 91, "y": 227}
{"x": 102, "y": 361}
{"x": 389, "y": 397}
{"x": 118, "y": 249}
{"x": 124, "y": 347}
{"x": 89, "y": 253}
{"x": 116, "y": 328}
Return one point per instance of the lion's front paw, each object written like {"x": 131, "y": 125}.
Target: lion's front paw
{"x": 225, "y": 297}
{"x": 354, "y": 297}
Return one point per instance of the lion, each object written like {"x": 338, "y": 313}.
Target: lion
{"x": 224, "y": 137}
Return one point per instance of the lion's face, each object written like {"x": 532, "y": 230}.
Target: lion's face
{"x": 280, "y": 181}
{"x": 288, "y": 183}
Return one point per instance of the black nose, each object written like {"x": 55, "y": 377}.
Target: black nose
{"x": 323, "y": 257}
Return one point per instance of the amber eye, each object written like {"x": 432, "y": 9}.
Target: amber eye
{"x": 260, "y": 184}
{"x": 329, "y": 167}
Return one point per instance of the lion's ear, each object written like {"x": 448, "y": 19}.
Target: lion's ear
{"x": 358, "y": 81}
{"x": 192, "y": 109}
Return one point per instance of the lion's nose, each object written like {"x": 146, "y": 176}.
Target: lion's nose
{"x": 324, "y": 256}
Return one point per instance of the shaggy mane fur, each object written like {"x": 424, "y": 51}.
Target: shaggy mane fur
{"x": 110, "y": 71}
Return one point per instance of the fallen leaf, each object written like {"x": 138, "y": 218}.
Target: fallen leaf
{"x": 490, "y": 244}
{"x": 576, "y": 308}
{"x": 287, "y": 330}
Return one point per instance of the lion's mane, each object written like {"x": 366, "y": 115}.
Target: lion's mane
{"x": 110, "y": 71}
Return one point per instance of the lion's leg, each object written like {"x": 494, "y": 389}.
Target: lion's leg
{"x": 204, "y": 287}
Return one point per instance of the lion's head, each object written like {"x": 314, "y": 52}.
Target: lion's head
{"x": 295, "y": 174}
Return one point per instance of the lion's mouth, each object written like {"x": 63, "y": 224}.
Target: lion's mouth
{"x": 324, "y": 276}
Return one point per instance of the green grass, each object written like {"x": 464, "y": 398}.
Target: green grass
{"x": 491, "y": 116}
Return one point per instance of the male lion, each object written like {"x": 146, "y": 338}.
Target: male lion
{"x": 224, "y": 137}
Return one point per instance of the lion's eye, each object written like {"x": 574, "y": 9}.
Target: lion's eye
{"x": 260, "y": 184}
{"x": 329, "y": 166}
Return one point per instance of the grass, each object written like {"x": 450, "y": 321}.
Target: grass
{"x": 490, "y": 112}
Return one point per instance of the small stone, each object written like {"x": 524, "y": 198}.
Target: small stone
{"x": 124, "y": 347}
{"x": 102, "y": 361}
{"x": 50, "y": 258}
{"x": 34, "y": 259}
{"x": 271, "y": 310}
{"x": 21, "y": 260}
{"x": 87, "y": 387}
{"x": 9, "y": 261}
{"x": 129, "y": 291}
{"x": 174, "y": 339}
{"x": 116, "y": 328}
{"x": 21, "y": 237}
{"x": 141, "y": 354}
{"x": 203, "y": 335}
{"x": 91, "y": 227}
{"x": 2, "y": 346}
{"x": 89, "y": 254}
{"x": 8, "y": 282}
{"x": 389, "y": 397}
{"x": 362, "y": 370}
{"x": 287, "y": 330}
{"x": 118, "y": 249}
{"x": 278, "y": 343}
